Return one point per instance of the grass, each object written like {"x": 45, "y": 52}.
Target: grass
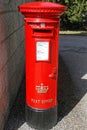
{"x": 73, "y": 32}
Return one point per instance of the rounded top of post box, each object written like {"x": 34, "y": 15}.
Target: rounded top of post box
{"x": 42, "y": 9}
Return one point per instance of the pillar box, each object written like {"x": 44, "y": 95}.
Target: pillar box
{"x": 42, "y": 20}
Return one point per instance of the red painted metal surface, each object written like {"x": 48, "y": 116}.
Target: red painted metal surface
{"x": 41, "y": 31}
{"x": 42, "y": 9}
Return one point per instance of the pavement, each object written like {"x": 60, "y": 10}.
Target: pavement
{"x": 72, "y": 93}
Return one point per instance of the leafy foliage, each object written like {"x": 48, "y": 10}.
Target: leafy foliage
{"x": 76, "y": 15}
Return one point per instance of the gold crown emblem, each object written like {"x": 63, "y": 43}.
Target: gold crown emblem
{"x": 42, "y": 89}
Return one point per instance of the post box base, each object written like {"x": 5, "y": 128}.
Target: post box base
{"x": 41, "y": 119}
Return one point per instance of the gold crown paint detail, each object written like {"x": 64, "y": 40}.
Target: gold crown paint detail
{"x": 42, "y": 89}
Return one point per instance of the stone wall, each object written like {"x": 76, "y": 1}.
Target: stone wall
{"x": 11, "y": 54}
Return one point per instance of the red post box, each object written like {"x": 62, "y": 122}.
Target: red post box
{"x": 42, "y": 21}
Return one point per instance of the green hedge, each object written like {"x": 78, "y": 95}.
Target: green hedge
{"x": 75, "y": 18}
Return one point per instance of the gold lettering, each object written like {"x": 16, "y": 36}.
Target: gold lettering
{"x": 47, "y": 101}
{"x": 42, "y": 101}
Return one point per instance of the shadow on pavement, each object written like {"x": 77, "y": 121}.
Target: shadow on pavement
{"x": 65, "y": 91}
{"x": 69, "y": 93}
{"x": 72, "y": 72}
{"x": 66, "y": 99}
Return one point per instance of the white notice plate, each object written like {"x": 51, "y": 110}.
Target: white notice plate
{"x": 42, "y": 50}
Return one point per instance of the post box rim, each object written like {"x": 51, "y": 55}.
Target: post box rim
{"x": 42, "y": 8}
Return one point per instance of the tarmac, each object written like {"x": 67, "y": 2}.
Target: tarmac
{"x": 72, "y": 92}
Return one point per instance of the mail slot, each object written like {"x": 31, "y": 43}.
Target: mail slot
{"x": 42, "y": 32}
{"x": 42, "y": 20}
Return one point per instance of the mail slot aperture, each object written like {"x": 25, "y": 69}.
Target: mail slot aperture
{"x": 43, "y": 32}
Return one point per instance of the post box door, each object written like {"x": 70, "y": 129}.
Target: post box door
{"x": 46, "y": 72}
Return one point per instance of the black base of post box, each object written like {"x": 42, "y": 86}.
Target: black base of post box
{"x": 41, "y": 119}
